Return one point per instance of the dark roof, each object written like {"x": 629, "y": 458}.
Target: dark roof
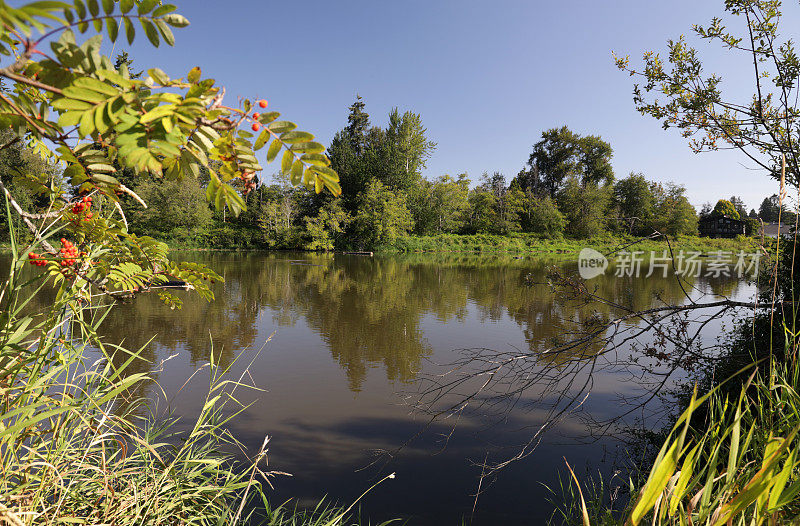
{"x": 775, "y": 229}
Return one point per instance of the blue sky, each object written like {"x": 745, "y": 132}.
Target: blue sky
{"x": 487, "y": 77}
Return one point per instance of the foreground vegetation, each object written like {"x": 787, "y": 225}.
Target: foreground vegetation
{"x": 81, "y": 441}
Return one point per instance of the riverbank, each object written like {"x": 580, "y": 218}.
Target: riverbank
{"x": 532, "y": 244}
{"x": 513, "y": 244}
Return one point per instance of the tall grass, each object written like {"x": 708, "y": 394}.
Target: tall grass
{"x": 733, "y": 455}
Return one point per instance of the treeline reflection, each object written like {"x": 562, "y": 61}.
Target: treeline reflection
{"x": 369, "y": 311}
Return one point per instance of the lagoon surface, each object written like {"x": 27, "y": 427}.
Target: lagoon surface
{"x": 346, "y": 349}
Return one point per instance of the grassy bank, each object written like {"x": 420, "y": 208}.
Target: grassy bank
{"x": 529, "y": 244}
{"x": 532, "y": 244}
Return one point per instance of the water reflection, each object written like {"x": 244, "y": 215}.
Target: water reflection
{"x": 350, "y": 332}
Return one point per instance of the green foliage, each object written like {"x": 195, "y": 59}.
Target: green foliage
{"x": 679, "y": 91}
{"x": 76, "y": 107}
{"x": 328, "y": 225}
{"x": 440, "y": 206}
{"x": 108, "y": 458}
{"x": 30, "y": 176}
{"x": 176, "y": 209}
{"x": 751, "y": 226}
{"x": 493, "y": 207}
{"x": 772, "y": 210}
{"x": 725, "y": 208}
{"x": 634, "y": 202}
{"x": 584, "y": 207}
{"x": 382, "y": 216}
{"x": 672, "y": 215}
{"x": 396, "y": 156}
{"x": 409, "y": 149}
{"x": 540, "y": 215}
{"x": 562, "y": 154}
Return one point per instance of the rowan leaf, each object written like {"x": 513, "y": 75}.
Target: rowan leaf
{"x": 273, "y": 150}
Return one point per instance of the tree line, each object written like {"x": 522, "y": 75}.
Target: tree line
{"x": 566, "y": 188}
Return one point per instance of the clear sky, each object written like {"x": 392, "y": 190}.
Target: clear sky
{"x": 487, "y": 77}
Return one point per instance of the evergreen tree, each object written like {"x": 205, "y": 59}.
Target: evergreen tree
{"x": 769, "y": 209}
{"x": 738, "y": 204}
{"x": 357, "y": 126}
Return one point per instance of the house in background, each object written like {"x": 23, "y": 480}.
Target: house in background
{"x": 720, "y": 226}
{"x": 776, "y": 229}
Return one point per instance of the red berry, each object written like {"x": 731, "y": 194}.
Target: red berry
{"x": 256, "y": 115}
{"x": 262, "y": 103}
{"x": 256, "y": 126}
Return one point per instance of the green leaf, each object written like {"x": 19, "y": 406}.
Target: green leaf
{"x": 80, "y": 8}
{"x": 282, "y": 126}
{"x": 297, "y": 172}
{"x": 108, "y": 6}
{"x": 150, "y": 30}
{"x": 96, "y": 85}
{"x": 326, "y": 172}
{"x": 145, "y": 6}
{"x": 101, "y": 120}
{"x": 87, "y": 124}
{"x": 71, "y": 104}
{"x": 316, "y": 159}
{"x": 125, "y": 5}
{"x": 94, "y": 8}
{"x": 166, "y": 32}
{"x": 262, "y": 139}
{"x": 655, "y": 484}
{"x": 268, "y": 117}
{"x": 194, "y": 75}
{"x": 273, "y": 150}
{"x": 176, "y": 20}
{"x": 163, "y": 10}
{"x": 308, "y": 147}
{"x": 286, "y": 161}
{"x": 130, "y": 31}
{"x": 292, "y": 137}
{"x": 112, "y": 27}
{"x": 158, "y": 76}
{"x": 70, "y": 118}
{"x": 75, "y": 92}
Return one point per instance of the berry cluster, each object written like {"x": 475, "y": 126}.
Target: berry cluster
{"x": 83, "y": 204}
{"x": 36, "y": 259}
{"x": 68, "y": 252}
{"x": 256, "y": 125}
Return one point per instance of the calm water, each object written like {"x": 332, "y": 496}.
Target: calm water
{"x": 348, "y": 347}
